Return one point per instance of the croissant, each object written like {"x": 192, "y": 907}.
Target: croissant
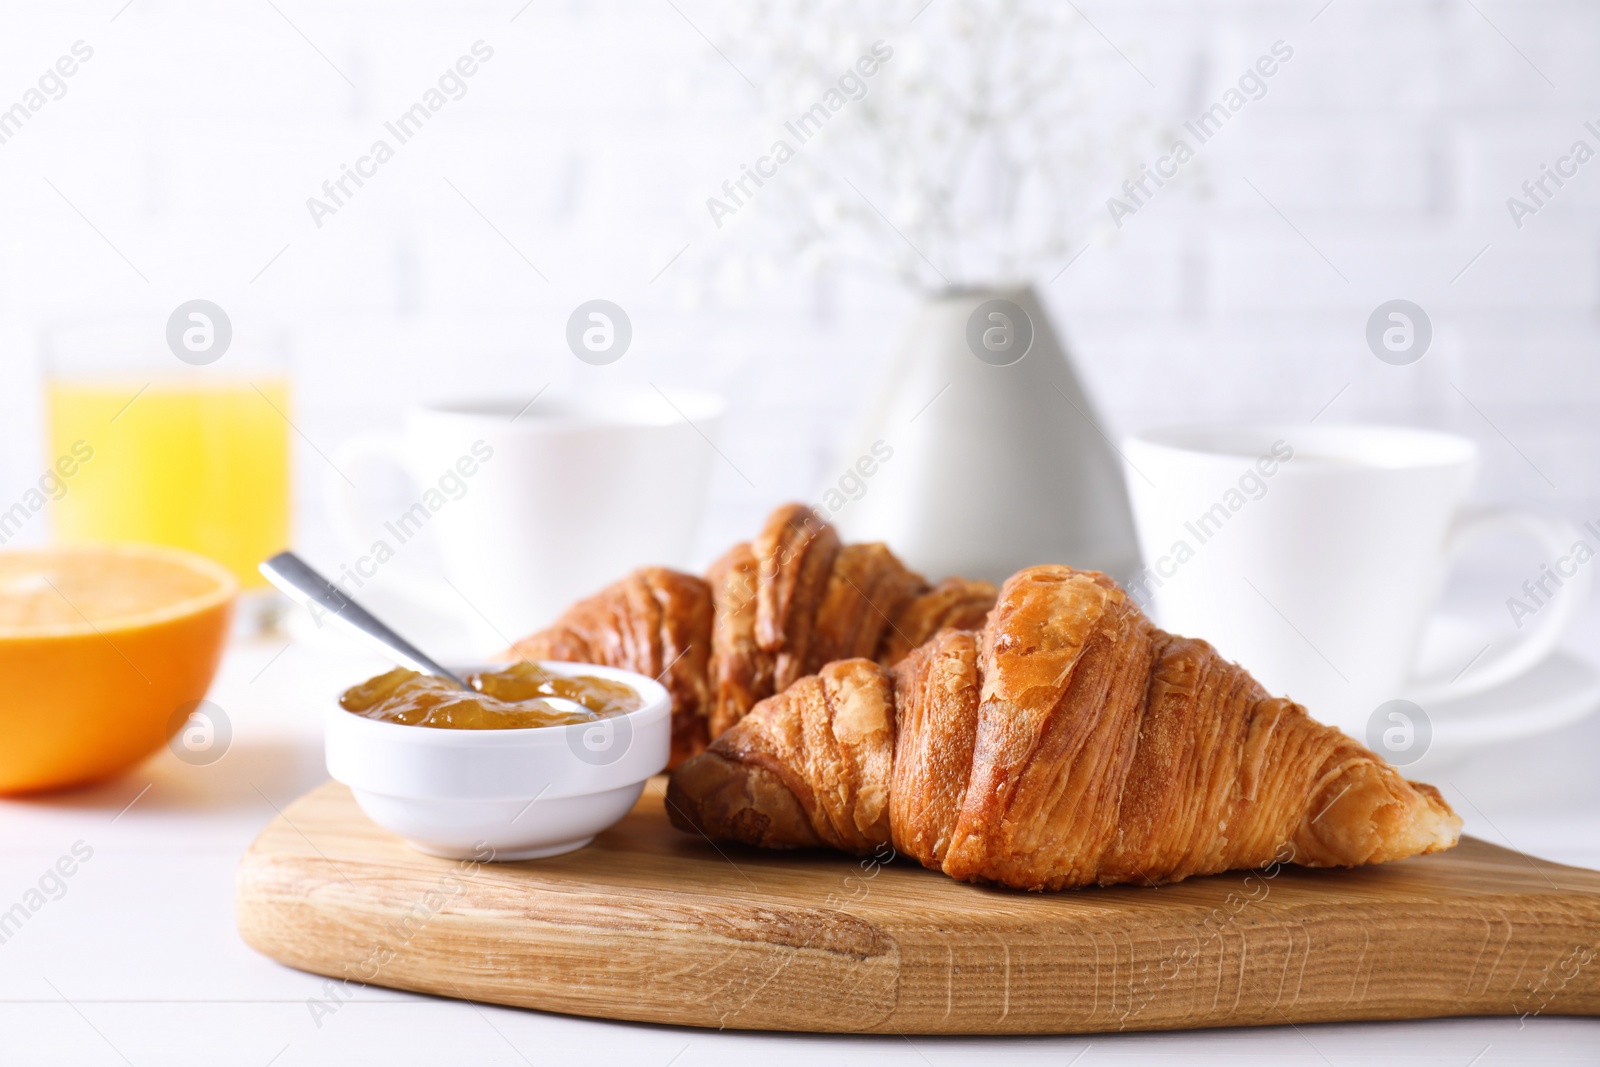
{"x": 1070, "y": 742}
{"x": 767, "y": 613}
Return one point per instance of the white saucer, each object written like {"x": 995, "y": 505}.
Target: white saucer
{"x": 444, "y": 626}
{"x": 1562, "y": 690}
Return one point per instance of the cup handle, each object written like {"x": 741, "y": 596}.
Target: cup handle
{"x": 350, "y": 520}
{"x": 1556, "y": 537}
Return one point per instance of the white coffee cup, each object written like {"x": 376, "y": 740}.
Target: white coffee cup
{"x": 532, "y": 506}
{"x": 1314, "y": 556}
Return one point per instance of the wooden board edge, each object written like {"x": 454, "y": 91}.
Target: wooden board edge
{"x": 278, "y": 917}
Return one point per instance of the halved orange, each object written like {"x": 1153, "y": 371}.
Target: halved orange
{"x": 99, "y": 648}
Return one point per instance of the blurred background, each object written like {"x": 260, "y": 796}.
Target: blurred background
{"x": 177, "y": 162}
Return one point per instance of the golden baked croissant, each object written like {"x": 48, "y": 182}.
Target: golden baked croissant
{"x": 768, "y": 612}
{"x": 1071, "y": 742}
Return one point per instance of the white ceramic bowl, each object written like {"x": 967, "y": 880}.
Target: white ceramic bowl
{"x": 503, "y": 794}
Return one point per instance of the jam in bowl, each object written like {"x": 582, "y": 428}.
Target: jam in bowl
{"x": 513, "y": 697}
{"x": 533, "y": 761}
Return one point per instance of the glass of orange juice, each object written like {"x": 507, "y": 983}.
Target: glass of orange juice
{"x": 167, "y": 450}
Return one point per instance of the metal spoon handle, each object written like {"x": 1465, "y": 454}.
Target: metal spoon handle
{"x": 302, "y": 584}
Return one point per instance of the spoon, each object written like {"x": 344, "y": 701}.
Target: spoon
{"x": 302, "y": 584}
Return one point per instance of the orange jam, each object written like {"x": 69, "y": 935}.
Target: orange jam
{"x": 513, "y": 698}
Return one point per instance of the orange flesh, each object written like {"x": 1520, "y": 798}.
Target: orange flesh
{"x": 512, "y": 698}
{"x": 44, "y": 591}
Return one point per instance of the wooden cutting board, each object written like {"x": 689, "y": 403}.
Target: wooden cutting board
{"x": 651, "y": 924}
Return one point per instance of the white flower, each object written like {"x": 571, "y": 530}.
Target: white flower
{"x": 974, "y": 137}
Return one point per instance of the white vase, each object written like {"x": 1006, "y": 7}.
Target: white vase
{"x": 992, "y": 465}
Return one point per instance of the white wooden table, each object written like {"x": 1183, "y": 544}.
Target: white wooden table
{"x": 134, "y": 959}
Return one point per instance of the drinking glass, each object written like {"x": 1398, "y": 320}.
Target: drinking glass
{"x": 188, "y": 450}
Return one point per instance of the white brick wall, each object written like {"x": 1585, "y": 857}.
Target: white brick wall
{"x": 1391, "y": 141}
